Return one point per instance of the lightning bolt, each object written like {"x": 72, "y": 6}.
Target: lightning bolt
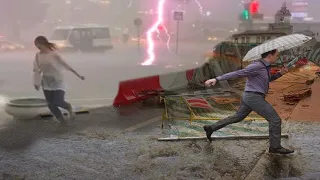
{"x": 158, "y": 36}
{"x": 200, "y": 7}
{"x": 154, "y": 28}
{"x": 169, "y": 37}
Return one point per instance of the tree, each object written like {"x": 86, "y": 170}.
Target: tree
{"x": 17, "y": 15}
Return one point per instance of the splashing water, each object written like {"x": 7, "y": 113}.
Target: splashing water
{"x": 3, "y": 101}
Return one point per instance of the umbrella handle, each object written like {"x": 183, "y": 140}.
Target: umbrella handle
{"x": 281, "y": 62}
{"x": 291, "y": 63}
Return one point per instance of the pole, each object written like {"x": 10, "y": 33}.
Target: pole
{"x": 177, "y": 37}
{"x": 250, "y": 24}
{"x": 138, "y": 31}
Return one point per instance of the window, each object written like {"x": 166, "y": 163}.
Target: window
{"x": 258, "y": 39}
{"x": 84, "y": 34}
{"x": 247, "y": 39}
{"x": 236, "y": 40}
{"x": 243, "y": 40}
{"x": 263, "y": 39}
{"x": 61, "y": 34}
{"x": 101, "y": 33}
{"x": 75, "y": 35}
{"x": 268, "y": 37}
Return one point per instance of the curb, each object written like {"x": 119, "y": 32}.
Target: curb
{"x": 258, "y": 170}
{"x": 218, "y": 138}
{"x": 267, "y": 160}
{"x": 78, "y": 110}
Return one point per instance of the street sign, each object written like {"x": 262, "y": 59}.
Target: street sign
{"x": 178, "y": 15}
{"x": 137, "y": 22}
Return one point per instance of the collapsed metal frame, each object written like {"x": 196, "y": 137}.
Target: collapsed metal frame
{"x": 192, "y": 115}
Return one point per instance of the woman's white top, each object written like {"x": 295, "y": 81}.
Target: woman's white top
{"x": 52, "y": 70}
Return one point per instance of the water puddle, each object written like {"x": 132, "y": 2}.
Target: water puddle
{"x": 279, "y": 166}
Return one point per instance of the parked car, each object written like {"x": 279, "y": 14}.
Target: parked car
{"x": 10, "y": 46}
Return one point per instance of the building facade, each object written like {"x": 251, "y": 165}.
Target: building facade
{"x": 299, "y": 9}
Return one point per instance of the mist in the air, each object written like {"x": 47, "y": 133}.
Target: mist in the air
{"x": 22, "y": 20}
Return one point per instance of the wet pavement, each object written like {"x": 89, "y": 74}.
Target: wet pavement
{"x": 98, "y": 146}
{"x": 103, "y": 71}
{"x": 303, "y": 164}
{"x": 122, "y": 143}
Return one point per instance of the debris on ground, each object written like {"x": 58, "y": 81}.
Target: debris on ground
{"x": 295, "y": 94}
{"x": 6, "y": 176}
{"x": 294, "y": 97}
{"x": 309, "y": 81}
{"x": 307, "y": 109}
{"x": 286, "y": 92}
{"x": 225, "y": 100}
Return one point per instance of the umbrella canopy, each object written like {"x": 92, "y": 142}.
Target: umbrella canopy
{"x": 281, "y": 44}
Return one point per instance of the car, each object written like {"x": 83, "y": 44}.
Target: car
{"x": 143, "y": 39}
{"x": 6, "y": 46}
{"x": 85, "y": 37}
{"x": 212, "y": 38}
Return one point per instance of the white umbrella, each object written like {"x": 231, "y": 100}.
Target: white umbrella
{"x": 281, "y": 44}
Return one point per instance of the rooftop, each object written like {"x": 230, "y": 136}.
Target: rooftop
{"x": 82, "y": 26}
{"x": 257, "y": 32}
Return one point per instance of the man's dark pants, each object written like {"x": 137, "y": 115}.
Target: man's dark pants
{"x": 256, "y": 102}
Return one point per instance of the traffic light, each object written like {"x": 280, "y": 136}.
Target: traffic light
{"x": 251, "y": 11}
{"x": 245, "y": 15}
{"x": 254, "y": 7}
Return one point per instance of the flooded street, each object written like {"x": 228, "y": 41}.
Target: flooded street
{"x": 100, "y": 149}
{"x": 303, "y": 164}
{"x": 103, "y": 71}
{"x": 148, "y": 80}
{"x": 106, "y": 145}
{"x": 102, "y": 145}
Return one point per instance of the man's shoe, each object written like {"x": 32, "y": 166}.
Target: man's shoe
{"x": 281, "y": 150}
{"x": 209, "y": 132}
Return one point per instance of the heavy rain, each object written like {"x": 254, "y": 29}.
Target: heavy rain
{"x": 136, "y": 89}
